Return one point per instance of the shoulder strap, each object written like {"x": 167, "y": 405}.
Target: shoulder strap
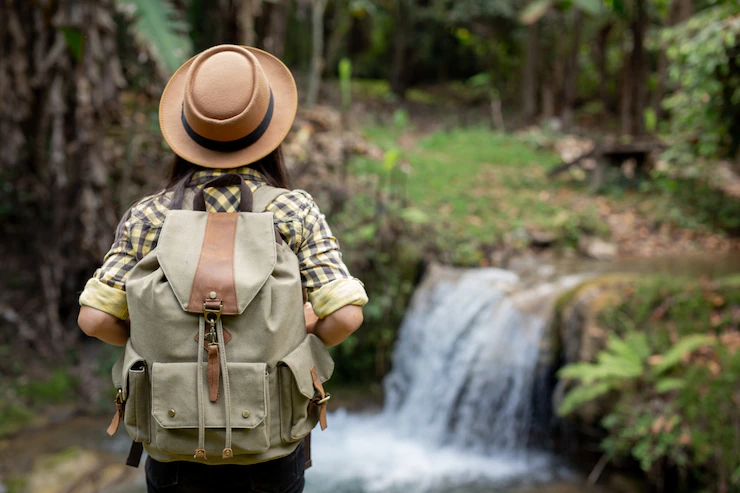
{"x": 264, "y": 195}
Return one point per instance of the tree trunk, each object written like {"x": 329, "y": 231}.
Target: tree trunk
{"x": 58, "y": 90}
{"x": 548, "y": 99}
{"x": 399, "y": 66}
{"x": 339, "y": 30}
{"x": 601, "y": 66}
{"x": 571, "y": 72}
{"x": 317, "y": 51}
{"x": 248, "y": 11}
{"x": 639, "y": 67}
{"x": 625, "y": 94}
{"x": 529, "y": 85}
{"x": 275, "y": 40}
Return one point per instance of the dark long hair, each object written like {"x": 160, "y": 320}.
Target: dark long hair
{"x": 272, "y": 167}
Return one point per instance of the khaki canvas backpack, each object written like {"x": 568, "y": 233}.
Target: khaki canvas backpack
{"x": 219, "y": 368}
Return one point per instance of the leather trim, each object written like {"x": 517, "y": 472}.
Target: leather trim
{"x": 215, "y": 271}
{"x": 214, "y": 372}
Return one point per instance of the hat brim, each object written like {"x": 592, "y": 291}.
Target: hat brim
{"x": 286, "y": 103}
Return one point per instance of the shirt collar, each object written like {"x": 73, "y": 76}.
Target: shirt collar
{"x": 249, "y": 174}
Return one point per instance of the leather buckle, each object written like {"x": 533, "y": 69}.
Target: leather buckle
{"x": 324, "y": 400}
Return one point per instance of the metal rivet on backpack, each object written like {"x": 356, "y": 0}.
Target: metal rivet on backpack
{"x": 212, "y": 294}
{"x": 171, "y": 413}
{"x": 245, "y": 413}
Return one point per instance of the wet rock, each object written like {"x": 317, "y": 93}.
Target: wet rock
{"x": 596, "y": 248}
{"x": 541, "y": 238}
{"x": 74, "y": 469}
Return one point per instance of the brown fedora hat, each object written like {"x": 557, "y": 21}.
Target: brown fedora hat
{"x": 228, "y": 106}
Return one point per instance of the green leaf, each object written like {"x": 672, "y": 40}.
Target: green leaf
{"x": 685, "y": 346}
{"x": 415, "y": 215}
{"x": 592, "y": 7}
{"x": 391, "y": 159}
{"x": 156, "y": 26}
{"x": 75, "y": 41}
{"x": 535, "y": 11}
{"x": 651, "y": 120}
{"x": 665, "y": 385}
{"x": 581, "y": 395}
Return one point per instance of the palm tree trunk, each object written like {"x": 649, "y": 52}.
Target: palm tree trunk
{"x": 60, "y": 77}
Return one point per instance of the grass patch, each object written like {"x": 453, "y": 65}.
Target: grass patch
{"x": 479, "y": 189}
{"x": 483, "y": 187}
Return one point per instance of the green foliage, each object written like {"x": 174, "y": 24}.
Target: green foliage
{"x": 59, "y": 386}
{"x": 75, "y": 41}
{"x": 622, "y": 361}
{"x": 683, "y": 347}
{"x": 13, "y": 415}
{"x": 157, "y": 25}
{"x": 538, "y": 8}
{"x": 671, "y": 367}
{"x": 704, "y": 68}
{"x": 692, "y": 203}
{"x": 378, "y": 230}
{"x": 345, "y": 81}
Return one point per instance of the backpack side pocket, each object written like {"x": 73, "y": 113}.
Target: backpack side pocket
{"x": 137, "y": 412}
{"x": 297, "y": 416}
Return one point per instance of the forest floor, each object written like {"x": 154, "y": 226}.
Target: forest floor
{"x": 477, "y": 193}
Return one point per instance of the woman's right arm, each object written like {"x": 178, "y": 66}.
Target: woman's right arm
{"x": 335, "y": 327}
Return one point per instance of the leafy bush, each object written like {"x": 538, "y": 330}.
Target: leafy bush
{"x": 671, "y": 367}
{"x": 704, "y": 67}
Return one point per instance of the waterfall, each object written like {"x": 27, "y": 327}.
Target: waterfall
{"x": 459, "y": 397}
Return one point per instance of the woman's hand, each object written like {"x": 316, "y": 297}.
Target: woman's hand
{"x": 310, "y": 317}
{"x": 105, "y": 327}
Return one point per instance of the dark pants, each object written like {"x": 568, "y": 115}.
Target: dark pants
{"x": 284, "y": 475}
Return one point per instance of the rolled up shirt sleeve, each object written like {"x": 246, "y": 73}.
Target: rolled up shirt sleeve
{"x": 107, "y": 299}
{"x": 332, "y": 296}
{"x": 106, "y": 290}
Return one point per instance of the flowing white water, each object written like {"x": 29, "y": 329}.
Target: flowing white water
{"x": 459, "y": 397}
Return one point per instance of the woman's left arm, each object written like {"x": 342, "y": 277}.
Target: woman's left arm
{"x": 336, "y": 298}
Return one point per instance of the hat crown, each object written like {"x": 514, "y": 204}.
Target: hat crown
{"x": 223, "y": 86}
{"x": 226, "y": 93}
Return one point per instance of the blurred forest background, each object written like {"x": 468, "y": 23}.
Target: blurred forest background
{"x": 462, "y": 132}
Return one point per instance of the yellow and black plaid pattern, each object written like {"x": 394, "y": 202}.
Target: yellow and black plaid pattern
{"x": 296, "y": 216}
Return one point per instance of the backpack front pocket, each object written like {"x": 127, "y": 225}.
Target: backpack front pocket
{"x": 175, "y": 408}
{"x": 297, "y": 416}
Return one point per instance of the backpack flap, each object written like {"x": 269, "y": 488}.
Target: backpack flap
{"x": 197, "y": 253}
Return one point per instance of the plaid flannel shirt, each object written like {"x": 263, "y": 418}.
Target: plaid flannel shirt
{"x": 304, "y": 228}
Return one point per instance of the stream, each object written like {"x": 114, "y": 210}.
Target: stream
{"x": 461, "y": 403}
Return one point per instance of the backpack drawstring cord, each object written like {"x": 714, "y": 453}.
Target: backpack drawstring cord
{"x": 200, "y": 452}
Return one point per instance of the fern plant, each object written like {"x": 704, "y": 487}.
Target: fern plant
{"x": 625, "y": 362}
{"x": 158, "y": 27}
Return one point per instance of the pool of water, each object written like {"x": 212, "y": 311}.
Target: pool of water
{"x": 356, "y": 454}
